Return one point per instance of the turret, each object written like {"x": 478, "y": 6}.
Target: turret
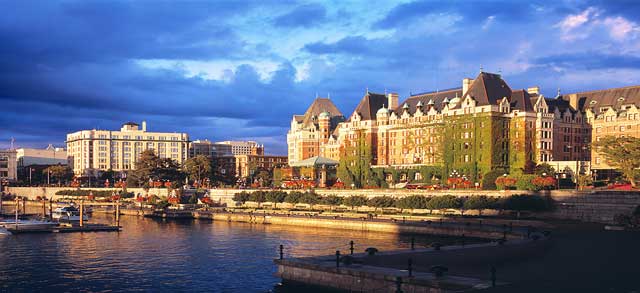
{"x": 324, "y": 125}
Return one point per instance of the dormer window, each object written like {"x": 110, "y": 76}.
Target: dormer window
{"x": 621, "y": 99}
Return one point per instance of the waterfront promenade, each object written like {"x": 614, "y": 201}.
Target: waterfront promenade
{"x": 578, "y": 257}
{"x": 590, "y": 206}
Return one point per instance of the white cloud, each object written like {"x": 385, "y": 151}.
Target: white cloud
{"x": 488, "y": 22}
{"x": 582, "y": 25}
{"x": 572, "y": 24}
{"x": 620, "y": 28}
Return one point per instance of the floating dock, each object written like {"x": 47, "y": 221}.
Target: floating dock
{"x": 65, "y": 229}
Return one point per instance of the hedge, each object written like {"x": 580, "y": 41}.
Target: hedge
{"x": 97, "y": 193}
{"x": 475, "y": 202}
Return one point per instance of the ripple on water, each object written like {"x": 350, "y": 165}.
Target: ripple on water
{"x": 158, "y": 255}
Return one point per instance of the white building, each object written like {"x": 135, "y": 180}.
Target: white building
{"x": 244, "y": 147}
{"x": 92, "y": 151}
{"x": 49, "y": 156}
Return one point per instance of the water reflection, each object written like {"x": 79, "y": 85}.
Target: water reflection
{"x": 170, "y": 255}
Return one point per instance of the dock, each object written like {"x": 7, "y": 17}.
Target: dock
{"x": 65, "y": 228}
{"x": 455, "y": 268}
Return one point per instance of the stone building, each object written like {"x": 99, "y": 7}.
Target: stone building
{"x": 93, "y": 151}
{"x": 483, "y": 125}
{"x": 313, "y": 130}
{"x": 247, "y": 165}
{"x": 242, "y": 147}
{"x": 8, "y": 166}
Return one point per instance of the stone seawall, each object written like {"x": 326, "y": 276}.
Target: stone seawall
{"x": 446, "y": 229}
{"x": 592, "y": 206}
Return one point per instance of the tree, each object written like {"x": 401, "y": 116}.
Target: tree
{"x": 276, "y": 196}
{"x": 310, "y": 198}
{"x": 479, "y": 203}
{"x": 355, "y": 201}
{"x": 525, "y": 203}
{"x": 241, "y": 197}
{"x": 381, "y": 202}
{"x": 412, "y": 202}
{"x": 489, "y": 179}
{"x": 622, "y": 153}
{"x": 333, "y": 200}
{"x": 444, "y": 202}
{"x": 198, "y": 167}
{"x": 60, "y": 172}
{"x": 258, "y": 196}
{"x": 544, "y": 169}
{"x": 262, "y": 176}
{"x": 293, "y": 197}
{"x": 151, "y": 167}
{"x": 584, "y": 180}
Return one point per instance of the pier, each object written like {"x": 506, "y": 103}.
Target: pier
{"x": 456, "y": 268}
{"x": 56, "y": 227}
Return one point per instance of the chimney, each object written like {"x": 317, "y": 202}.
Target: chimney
{"x": 573, "y": 101}
{"x": 392, "y": 100}
{"x": 466, "y": 83}
{"x": 144, "y": 125}
{"x": 534, "y": 90}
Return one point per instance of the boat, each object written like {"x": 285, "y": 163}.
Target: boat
{"x": 4, "y": 231}
{"x": 68, "y": 214}
{"x": 27, "y": 225}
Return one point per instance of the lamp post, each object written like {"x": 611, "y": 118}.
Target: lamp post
{"x": 504, "y": 177}
{"x": 454, "y": 174}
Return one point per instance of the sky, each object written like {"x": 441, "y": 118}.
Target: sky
{"x": 232, "y": 70}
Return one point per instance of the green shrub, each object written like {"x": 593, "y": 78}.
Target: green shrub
{"x": 276, "y": 196}
{"x": 444, "y": 202}
{"x": 293, "y": 197}
{"x": 355, "y": 201}
{"x": 309, "y": 198}
{"x": 525, "y": 203}
{"x": 412, "y": 202}
{"x": 479, "y": 202}
{"x": 257, "y": 196}
{"x": 100, "y": 193}
{"x": 381, "y": 202}
{"x": 241, "y": 197}
{"x": 489, "y": 179}
{"x": 333, "y": 200}
{"x": 525, "y": 182}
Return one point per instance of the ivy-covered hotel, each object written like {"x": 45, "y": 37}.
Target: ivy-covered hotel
{"x": 483, "y": 126}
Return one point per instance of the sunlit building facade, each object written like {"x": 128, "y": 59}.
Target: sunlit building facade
{"x": 93, "y": 151}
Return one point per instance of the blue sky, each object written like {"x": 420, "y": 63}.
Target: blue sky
{"x": 239, "y": 70}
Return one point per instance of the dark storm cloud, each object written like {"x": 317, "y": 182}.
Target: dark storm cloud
{"x": 72, "y": 65}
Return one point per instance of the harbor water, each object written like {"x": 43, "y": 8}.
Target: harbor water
{"x": 152, "y": 255}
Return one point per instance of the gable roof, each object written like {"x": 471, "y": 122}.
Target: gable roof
{"x": 521, "y": 100}
{"x": 318, "y": 106}
{"x": 370, "y": 104}
{"x": 437, "y": 97}
{"x": 607, "y": 98}
{"x": 558, "y": 103}
{"x": 488, "y": 89}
